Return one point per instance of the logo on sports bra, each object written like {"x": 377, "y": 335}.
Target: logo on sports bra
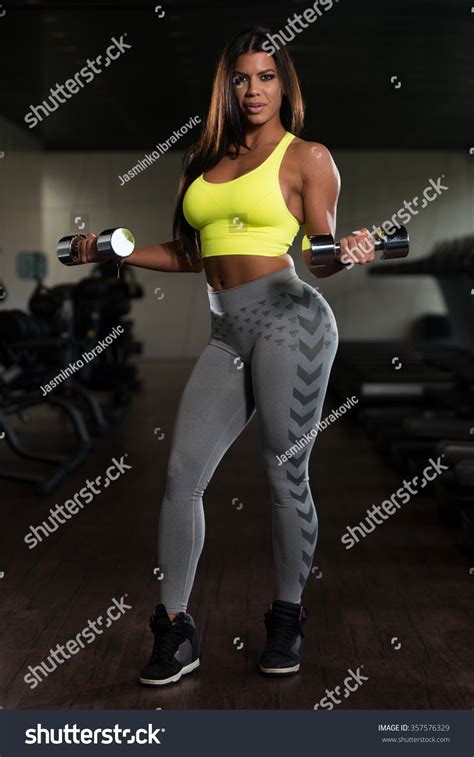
{"x": 238, "y": 222}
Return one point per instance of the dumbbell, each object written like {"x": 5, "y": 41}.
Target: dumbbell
{"x": 324, "y": 250}
{"x": 120, "y": 241}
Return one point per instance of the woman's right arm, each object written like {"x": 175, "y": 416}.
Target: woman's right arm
{"x": 161, "y": 257}
{"x": 156, "y": 257}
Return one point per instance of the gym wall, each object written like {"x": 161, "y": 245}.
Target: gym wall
{"x": 21, "y": 211}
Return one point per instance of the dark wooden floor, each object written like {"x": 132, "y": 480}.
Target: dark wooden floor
{"x": 407, "y": 581}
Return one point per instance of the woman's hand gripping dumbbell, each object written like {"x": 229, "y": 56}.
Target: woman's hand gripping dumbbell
{"x": 111, "y": 244}
{"x": 359, "y": 247}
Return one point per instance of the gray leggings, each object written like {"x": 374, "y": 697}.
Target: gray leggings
{"x": 272, "y": 346}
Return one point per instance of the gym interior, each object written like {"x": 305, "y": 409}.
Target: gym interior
{"x": 384, "y": 86}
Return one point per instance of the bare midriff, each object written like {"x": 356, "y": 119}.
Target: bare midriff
{"x": 226, "y": 271}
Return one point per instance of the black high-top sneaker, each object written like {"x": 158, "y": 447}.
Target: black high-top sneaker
{"x": 175, "y": 650}
{"x": 284, "y": 645}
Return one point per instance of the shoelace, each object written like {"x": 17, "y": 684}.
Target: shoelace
{"x": 167, "y": 640}
{"x": 280, "y": 632}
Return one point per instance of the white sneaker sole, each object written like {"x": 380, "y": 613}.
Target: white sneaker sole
{"x": 172, "y": 679}
{"x": 281, "y": 671}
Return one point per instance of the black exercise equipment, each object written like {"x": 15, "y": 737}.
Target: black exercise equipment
{"x": 452, "y": 266}
{"x": 3, "y": 290}
{"x": 64, "y": 322}
{"x": 416, "y": 397}
{"x": 20, "y": 374}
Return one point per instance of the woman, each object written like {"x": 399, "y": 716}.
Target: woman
{"x": 248, "y": 184}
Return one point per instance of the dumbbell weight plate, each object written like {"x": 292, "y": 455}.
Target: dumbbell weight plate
{"x": 395, "y": 245}
{"x": 119, "y": 241}
{"x": 322, "y": 249}
{"x": 64, "y": 249}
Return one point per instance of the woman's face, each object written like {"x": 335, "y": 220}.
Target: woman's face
{"x": 257, "y": 86}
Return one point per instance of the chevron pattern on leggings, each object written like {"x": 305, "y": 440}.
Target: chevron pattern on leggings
{"x": 295, "y": 320}
{"x": 304, "y": 402}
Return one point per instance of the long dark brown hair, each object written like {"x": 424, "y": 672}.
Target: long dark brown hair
{"x": 223, "y": 126}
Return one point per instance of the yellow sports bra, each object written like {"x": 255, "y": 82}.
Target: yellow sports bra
{"x": 244, "y": 216}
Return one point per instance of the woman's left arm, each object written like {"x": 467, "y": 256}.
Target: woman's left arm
{"x": 321, "y": 184}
